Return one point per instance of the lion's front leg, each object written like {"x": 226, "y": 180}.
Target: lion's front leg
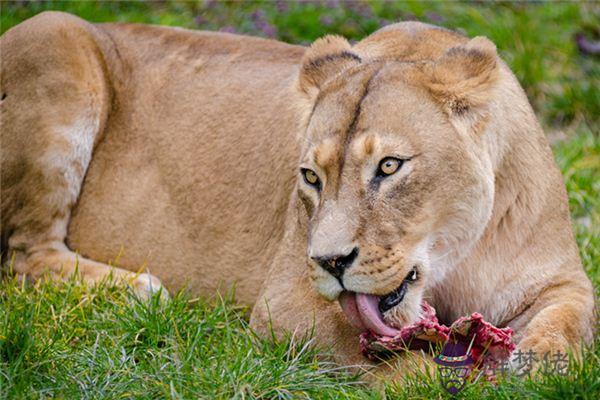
{"x": 561, "y": 320}
{"x": 288, "y": 304}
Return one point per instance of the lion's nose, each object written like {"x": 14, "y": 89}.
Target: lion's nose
{"x": 336, "y": 265}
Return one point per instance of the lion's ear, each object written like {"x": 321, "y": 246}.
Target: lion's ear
{"x": 325, "y": 58}
{"x": 462, "y": 79}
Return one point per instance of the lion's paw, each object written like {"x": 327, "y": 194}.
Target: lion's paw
{"x": 146, "y": 285}
{"x": 534, "y": 352}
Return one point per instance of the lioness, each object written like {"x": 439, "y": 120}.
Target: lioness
{"x": 409, "y": 166}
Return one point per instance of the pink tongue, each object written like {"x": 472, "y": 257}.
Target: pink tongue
{"x": 362, "y": 311}
{"x": 348, "y": 303}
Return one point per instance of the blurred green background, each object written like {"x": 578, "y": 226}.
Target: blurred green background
{"x": 101, "y": 345}
{"x": 538, "y": 40}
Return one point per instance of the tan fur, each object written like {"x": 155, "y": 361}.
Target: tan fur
{"x": 179, "y": 151}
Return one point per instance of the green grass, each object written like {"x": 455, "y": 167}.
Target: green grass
{"x": 535, "y": 39}
{"x": 65, "y": 340}
{"x": 69, "y": 341}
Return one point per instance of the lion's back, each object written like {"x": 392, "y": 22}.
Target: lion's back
{"x": 194, "y": 142}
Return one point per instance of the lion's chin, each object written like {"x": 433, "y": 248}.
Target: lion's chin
{"x": 406, "y": 313}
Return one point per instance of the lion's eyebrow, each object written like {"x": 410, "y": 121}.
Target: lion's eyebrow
{"x": 369, "y": 145}
{"x": 363, "y": 146}
{"x": 325, "y": 153}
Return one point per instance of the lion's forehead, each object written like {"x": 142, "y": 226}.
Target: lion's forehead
{"x": 378, "y": 97}
{"x": 337, "y": 108}
{"x": 377, "y": 115}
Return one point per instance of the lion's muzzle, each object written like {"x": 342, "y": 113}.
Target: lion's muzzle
{"x": 336, "y": 265}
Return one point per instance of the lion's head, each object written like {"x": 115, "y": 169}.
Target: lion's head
{"x": 395, "y": 173}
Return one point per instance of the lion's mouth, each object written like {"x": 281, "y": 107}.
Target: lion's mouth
{"x": 365, "y": 311}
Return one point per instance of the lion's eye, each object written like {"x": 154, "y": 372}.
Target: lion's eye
{"x": 388, "y": 166}
{"x": 311, "y": 177}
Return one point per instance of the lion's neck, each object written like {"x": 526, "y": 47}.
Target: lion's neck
{"x": 490, "y": 278}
